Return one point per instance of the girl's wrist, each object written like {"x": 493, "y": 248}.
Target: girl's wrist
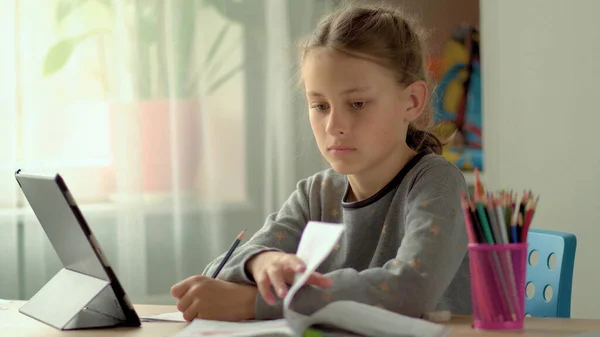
{"x": 248, "y": 297}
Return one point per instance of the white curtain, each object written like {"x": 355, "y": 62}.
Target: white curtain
{"x": 175, "y": 123}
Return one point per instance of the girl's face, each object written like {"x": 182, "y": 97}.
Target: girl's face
{"x": 359, "y": 112}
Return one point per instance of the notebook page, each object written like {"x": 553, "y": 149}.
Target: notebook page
{"x": 176, "y": 316}
{"x": 373, "y": 321}
{"x": 316, "y": 243}
{"x": 202, "y": 327}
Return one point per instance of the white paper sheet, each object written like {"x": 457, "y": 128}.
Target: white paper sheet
{"x": 166, "y": 317}
{"x": 373, "y": 321}
{"x": 200, "y": 327}
{"x": 318, "y": 239}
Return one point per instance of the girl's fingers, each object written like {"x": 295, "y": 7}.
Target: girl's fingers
{"x": 290, "y": 265}
{"x": 293, "y": 262}
{"x": 319, "y": 280}
{"x": 278, "y": 281}
{"x": 184, "y": 303}
{"x": 191, "y": 311}
{"x": 264, "y": 287}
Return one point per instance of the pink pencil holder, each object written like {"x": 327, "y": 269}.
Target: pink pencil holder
{"x": 498, "y": 285}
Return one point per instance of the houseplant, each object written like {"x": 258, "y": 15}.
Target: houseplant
{"x": 164, "y": 73}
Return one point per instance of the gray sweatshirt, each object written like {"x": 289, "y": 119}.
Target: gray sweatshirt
{"x": 404, "y": 248}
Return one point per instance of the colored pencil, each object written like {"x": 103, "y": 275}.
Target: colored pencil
{"x": 529, "y": 211}
{"x": 488, "y": 220}
{"x": 235, "y": 243}
{"x": 493, "y": 220}
{"x": 513, "y": 227}
{"x": 481, "y": 211}
{"x": 478, "y": 184}
{"x": 507, "y": 212}
{"x": 501, "y": 223}
{"x": 519, "y": 225}
{"x": 487, "y": 232}
{"x": 468, "y": 221}
{"x": 476, "y": 223}
{"x": 522, "y": 207}
{"x": 508, "y": 262}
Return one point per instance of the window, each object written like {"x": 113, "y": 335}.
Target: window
{"x": 95, "y": 120}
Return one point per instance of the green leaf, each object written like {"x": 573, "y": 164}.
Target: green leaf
{"x": 60, "y": 53}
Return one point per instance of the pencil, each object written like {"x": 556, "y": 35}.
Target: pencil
{"x": 513, "y": 227}
{"x": 522, "y": 206}
{"x": 478, "y": 184}
{"x": 228, "y": 255}
{"x": 507, "y": 213}
{"x": 519, "y": 225}
{"x": 501, "y": 222}
{"x": 476, "y": 224}
{"x": 484, "y": 221}
{"x": 513, "y": 203}
{"x": 468, "y": 223}
{"x": 529, "y": 211}
{"x": 493, "y": 220}
{"x": 506, "y": 296}
{"x": 507, "y": 261}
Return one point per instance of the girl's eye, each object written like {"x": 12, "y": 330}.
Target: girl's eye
{"x": 358, "y": 105}
{"x": 319, "y": 107}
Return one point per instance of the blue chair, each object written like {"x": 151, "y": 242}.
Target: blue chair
{"x": 552, "y": 281}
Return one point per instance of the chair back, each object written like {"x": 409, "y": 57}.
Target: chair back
{"x": 550, "y": 261}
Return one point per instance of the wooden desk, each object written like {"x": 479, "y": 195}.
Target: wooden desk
{"x": 15, "y": 324}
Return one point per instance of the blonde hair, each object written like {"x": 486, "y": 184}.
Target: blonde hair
{"x": 389, "y": 38}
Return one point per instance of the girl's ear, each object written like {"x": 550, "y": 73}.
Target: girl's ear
{"x": 417, "y": 94}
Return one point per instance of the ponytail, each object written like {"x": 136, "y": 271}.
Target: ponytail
{"x": 419, "y": 140}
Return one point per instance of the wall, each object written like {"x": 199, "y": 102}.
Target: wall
{"x": 439, "y": 17}
{"x": 541, "y": 115}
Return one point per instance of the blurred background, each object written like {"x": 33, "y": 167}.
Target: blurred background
{"x": 178, "y": 123}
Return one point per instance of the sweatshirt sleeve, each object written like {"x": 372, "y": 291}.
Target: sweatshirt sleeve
{"x": 429, "y": 256}
{"x": 281, "y": 232}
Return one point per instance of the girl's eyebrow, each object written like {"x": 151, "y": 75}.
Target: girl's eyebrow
{"x": 345, "y": 92}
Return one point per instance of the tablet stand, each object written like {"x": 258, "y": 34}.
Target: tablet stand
{"x": 72, "y": 300}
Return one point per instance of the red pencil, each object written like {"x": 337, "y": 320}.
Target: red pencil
{"x": 468, "y": 223}
{"x": 529, "y": 211}
{"x": 478, "y": 184}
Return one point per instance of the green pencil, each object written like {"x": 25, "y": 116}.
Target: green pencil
{"x": 484, "y": 221}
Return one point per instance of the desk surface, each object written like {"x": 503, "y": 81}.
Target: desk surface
{"x": 15, "y": 324}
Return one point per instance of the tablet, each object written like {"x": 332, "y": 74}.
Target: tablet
{"x": 85, "y": 293}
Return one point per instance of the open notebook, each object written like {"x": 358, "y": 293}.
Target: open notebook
{"x": 345, "y": 318}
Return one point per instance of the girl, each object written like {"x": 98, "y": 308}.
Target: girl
{"x": 404, "y": 247}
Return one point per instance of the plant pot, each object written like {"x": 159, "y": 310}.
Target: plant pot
{"x": 141, "y": 138}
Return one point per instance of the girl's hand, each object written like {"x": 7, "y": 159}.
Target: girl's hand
{"x": 207, "y": 298}
{"x": 278, "y": 270}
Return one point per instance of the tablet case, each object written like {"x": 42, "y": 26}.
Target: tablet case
{"x": 86, "y": 292}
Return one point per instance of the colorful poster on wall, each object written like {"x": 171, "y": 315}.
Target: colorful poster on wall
{"x": 457, "y": 99}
